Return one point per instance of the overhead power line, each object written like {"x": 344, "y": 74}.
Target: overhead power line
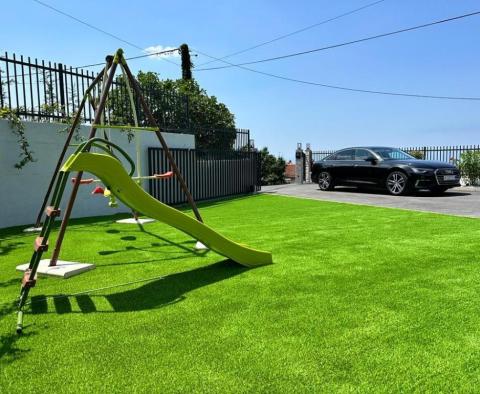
{"x": 95, "y": 28}
{"x": 343, "y": 43}
{"x": 380, "y": 92}
{"x": 296, "y": 31}
{"x": 102, "y": 64}
{"x": 134, "y": 57}
{"x": 87, "y": 24}
{"x": 241, "y": 66}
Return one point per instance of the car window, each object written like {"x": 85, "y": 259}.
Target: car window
{"x": 331, "y": 157}
{"x": 362, "y": 154}
{"x": 346, "y": 154}
{"x": 392, "y": 154}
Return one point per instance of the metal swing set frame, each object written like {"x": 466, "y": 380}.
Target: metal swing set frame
{"x": 58, "y": 183}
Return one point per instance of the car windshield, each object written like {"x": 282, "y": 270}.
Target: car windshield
{"x": 392, "y": 154}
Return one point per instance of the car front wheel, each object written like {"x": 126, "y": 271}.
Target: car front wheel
{"x": 397, "y": 183}
{"x": 325, "y": 181}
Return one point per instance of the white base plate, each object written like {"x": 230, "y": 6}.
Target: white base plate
{"x": 200, "y": 246}
{"x": 32, "y": 230}
{"x": 63, "y": 269}
{"x": 133, "y": 221}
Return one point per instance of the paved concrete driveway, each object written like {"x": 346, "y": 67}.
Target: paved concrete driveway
{"x": 458, "y": 201}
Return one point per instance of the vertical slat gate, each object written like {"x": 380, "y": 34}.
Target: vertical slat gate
{"x": 209, "y": 174}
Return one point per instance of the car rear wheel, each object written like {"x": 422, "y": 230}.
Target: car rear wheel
{"x": 397, "y": 183}
{"x": 325, "y": 181}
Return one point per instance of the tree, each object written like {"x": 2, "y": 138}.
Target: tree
{"x": 178, "y": 104}
{"x": 272, "y": 168}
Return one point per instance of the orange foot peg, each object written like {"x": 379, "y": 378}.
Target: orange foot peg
{"x": 26, "y": 282}
{"x": 39, "y": 246}
{"x": 166, "y": 175}
{"x": 83, "y": 181}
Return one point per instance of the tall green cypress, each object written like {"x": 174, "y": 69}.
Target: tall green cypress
{"x": 187, "y": 64}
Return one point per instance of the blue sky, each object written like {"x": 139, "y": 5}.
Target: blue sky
{"x": 439, "y": 60}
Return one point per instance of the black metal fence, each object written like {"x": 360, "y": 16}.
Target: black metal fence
{"x": 46, "y": 91}
{"x": 208, "y": 174}
{"x": 321, "y": 154}
{"x": 242, "y": 140}
{"x": 222, "y": 139}
{"x": 447, "y": 154}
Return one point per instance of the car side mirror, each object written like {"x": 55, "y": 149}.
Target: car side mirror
{"x": 371, "y": 159}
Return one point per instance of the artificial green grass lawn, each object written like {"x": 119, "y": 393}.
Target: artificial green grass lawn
{"x": 358, "y": 297}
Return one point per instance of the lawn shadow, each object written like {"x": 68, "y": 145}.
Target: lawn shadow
{"x": 128, "y": 238}
{"x": 11, "y": 282}
{"x": 172, "y": 288}
{"x": 7, "y": 309}
{"x": 6, "y": 248}
{"x": 9, "y": 352}
{"x": 154, "y": 294}
{"x": 179, "y": 245}
{"x": 157, "y": 260}
{"x": 80, "y": 224}
{"x": 166, "y": 242}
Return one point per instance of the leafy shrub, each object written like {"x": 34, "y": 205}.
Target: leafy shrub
{"x": 273, "y": 168}
{"x": 469, "y": 165}
{"x": 418, "y": 154}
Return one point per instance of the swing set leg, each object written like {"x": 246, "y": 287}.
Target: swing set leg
{"x": 73, "y": 195}
{"x": 21, "y": 303}
{"x": 40, "y": 245}
{"x": 20, "y": 321}
{"x": 27, "y": 284}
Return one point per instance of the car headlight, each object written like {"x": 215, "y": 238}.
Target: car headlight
{"x": 421, "y": 170}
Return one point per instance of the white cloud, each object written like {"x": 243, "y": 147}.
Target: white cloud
{"x": 153, "y": 50}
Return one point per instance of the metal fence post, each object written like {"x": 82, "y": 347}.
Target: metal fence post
{"x": 61, "y": 86}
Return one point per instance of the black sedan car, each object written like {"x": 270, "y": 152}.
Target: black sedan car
{"x": 389, "y": 168}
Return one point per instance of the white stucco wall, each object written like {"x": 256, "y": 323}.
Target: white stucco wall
{"x": 22, "y": 191}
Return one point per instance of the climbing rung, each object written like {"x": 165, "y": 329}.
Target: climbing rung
{"x": 52, "y": 212}
{"x": 26, "y": 282}
{"x": 38, "y": 245}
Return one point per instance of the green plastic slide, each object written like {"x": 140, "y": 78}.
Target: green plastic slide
{"x": 111, "y": 172}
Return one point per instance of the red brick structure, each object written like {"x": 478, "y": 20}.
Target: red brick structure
{"x": 290, "y": 172}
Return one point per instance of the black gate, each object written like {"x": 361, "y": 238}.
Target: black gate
{"x": 209, "y": 174}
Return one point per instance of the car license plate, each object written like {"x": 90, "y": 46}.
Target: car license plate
{"x": 449, "y": 177}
